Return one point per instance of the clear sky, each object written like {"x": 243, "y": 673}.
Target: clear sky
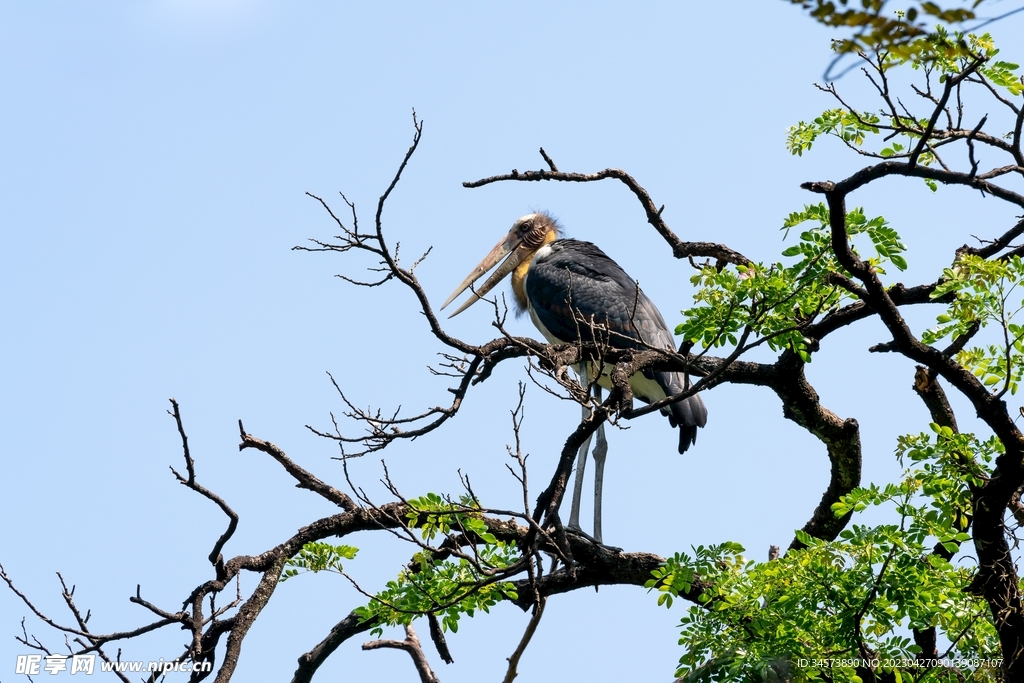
{"x": 153, "y": 163}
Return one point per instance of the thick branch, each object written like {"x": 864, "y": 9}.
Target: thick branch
{"x": 802, "y": 405}
{"x": 411, "y": 644}
{"x": 348, "y": 627}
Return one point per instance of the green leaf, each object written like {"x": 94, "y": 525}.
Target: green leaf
{"x": 805, "y": 537}
{"x": 317, "y": 557}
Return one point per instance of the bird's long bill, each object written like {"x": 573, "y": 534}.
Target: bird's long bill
{"x": 509, "y": 244}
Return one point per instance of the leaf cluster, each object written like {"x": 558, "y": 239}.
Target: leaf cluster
{"x": 983, "y": 295}
{"x": 850, "y": 598}
{"x": 449, "y": 588}
{"x": 875, "y": 28}
{"x": 846, "y": 125}
{"x": 950, "y": 466}
{"x": 318, "y": 556}
{"x": 777, "y": 301}
{"x": 948, "y": 53}
{"x": 852, "y": 127}
{"x": 433, "y": 515}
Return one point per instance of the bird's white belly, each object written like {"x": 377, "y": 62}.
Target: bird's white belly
{"x": 642, "y": 387}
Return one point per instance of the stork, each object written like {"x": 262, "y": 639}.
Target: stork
{"x": 571, "y": 290}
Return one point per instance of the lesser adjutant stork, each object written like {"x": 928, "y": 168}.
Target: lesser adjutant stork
{"x": 573, "y": 290}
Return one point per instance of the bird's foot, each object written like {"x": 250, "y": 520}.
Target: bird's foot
{"x": 576, "y": 530}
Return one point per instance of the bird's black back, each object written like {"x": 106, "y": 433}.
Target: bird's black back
{"x": 577, "y": 280}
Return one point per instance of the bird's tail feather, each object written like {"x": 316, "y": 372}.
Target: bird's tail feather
{"x": 689, "y": 415}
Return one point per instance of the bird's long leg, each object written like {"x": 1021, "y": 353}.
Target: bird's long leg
{"x": 600, "y": 452}
{"x": 581, "y": 465}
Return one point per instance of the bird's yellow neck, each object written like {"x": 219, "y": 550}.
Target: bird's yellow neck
{"x": 519, "y": 274}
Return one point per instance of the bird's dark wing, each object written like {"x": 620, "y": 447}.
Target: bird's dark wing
{"x": 575, "y": 283}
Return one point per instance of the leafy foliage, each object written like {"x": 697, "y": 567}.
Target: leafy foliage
{"x": 937, "y": 53}
{"x": 984, "y": 295}
{"x": 952, "y": 466}
{"x": 815, "y": 244}
{"x": 432, "y": 514}
{"x": 815, "y": 612}
{"x": 848, "y": 126}
{"x": 318, "y": 557}
{"x": 446, "y": 587}
{"x": 449, "y": 588}
{"x": 775, "y": 302}
{"x": 875, "y": 28}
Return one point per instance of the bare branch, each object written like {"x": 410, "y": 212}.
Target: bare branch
{"x": 215, "y": 556}
{"x": 96, "y": 639}
{"x": 531, "y": 628}
{"x": 305, "y": 479}
{"x": 680, "y": 249}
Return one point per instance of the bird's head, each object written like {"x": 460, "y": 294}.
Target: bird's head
{"x": 527, "y": 236}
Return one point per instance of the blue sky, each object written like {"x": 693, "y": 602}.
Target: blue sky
{"x": 155, "y": 160}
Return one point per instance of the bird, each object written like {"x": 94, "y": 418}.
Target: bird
{"x": 573, "y": 293}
